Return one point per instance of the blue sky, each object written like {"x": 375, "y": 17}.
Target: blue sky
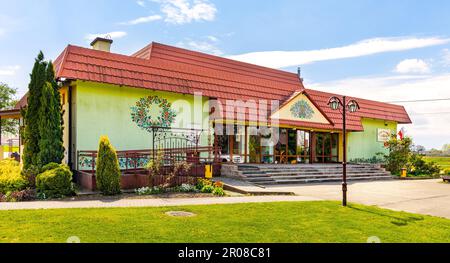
{"x": 382, "y": 50}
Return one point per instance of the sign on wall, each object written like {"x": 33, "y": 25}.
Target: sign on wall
{"x": 383, "y": 135}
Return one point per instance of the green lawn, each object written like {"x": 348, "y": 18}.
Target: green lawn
{"x": 322, "y": 221}
{"x": 443, "y": 162}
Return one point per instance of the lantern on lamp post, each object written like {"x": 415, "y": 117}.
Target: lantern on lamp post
{"x": 352, "y": 106}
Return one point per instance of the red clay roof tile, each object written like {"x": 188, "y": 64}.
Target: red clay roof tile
{"x": 168, "y": 68}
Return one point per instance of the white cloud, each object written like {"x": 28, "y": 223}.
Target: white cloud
{"x": 202, "y": 46}
{"x": 186, "y": 11}
{"x": 2, "y": 32}
{"x": 141, "y": 20}
{"x": 113, "y": 35}
{"x": 213, "y": 38}
{"x": 431, "y": 120}
{"x": 9, "y": 70}
{"x": 412, "y": 66}
{"x": 446, "y": 57}
{"x": 141, "y": 3}
{"x": 281, "y": 59}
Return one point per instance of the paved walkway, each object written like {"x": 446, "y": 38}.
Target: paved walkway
{"x": 430, "y": 197}
{"x": 150, "y": 202}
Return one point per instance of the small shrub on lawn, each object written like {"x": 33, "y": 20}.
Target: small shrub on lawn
{"x": 218, "y": 191}
{"x": 107, "y": 171}
{"x": 55, "y": 183}
{"x": 11, "y": 179}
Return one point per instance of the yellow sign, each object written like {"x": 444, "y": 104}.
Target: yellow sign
{"x": 208, "y": 171}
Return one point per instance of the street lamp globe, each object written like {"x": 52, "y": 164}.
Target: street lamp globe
{"x": 334, "y": 103}
{"x": 352, "y": 106}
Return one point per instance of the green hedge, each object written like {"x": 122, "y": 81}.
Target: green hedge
{"x": 11, "y": 178}
{"x": 56, "y": 182}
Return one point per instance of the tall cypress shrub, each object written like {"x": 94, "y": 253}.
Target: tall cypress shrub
{"x": 31, "y": 114}
{"x": 54, "y": 119}
{"x": 43, "y": 134}
{"x": 49, "y": 126}
{"x": 107, "y": 170}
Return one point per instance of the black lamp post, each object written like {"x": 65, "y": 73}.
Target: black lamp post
{"x": 352, "y": 106}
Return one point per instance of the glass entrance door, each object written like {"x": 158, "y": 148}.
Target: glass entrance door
{"x": 326, "y": 147}
{"x": 293, "y": 146}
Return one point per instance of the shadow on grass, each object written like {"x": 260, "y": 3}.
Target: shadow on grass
{"x": 396, "y": 220}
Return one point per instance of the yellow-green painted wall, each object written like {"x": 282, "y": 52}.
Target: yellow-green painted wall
{"x": 364, "y": 144}
{"x": 104, "y": 109}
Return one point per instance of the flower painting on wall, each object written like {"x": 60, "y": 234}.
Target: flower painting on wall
{"x": 301, "y": 109}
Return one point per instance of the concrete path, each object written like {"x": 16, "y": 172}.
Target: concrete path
{"x": 243, "y": 187}
{"x": 430, "y": 197}
{"x": 151, "y": 202}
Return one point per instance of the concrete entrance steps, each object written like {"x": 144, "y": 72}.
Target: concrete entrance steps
{"x": 265, "y": 174}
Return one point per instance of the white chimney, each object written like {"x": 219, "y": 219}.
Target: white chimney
{"x": 102, "y": 44}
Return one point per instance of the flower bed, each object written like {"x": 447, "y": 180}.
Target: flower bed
{"x": 202, "y": 186}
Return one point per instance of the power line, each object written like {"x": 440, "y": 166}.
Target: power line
{"x": 430, "y": 113}
{"x": 427, "y": 100}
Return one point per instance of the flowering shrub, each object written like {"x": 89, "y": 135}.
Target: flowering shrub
{"x": 187, "y": 188}
{"x": 218, "y": 184}
{"x": 149, "y": 190}
{"x": 202, "y": 182}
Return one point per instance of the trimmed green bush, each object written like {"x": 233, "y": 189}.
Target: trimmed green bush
{"x": 56, "y": 182}
{"x": 49, "y": 166}
{"x": 107, "y": 170}
{"x": 11, "y": 179}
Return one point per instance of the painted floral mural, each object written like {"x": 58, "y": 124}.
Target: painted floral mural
{"x": 152, "y": 111}
{"x": 302, "y": 110}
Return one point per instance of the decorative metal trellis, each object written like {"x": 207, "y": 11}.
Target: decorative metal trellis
{"x": 175, "y": 144}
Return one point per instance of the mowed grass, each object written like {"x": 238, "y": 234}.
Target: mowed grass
{"x": 443, "y": 162}
{"x": 321, "y": 221}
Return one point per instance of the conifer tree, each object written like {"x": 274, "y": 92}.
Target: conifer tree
{"x": 55, "y": 117}
{"x": 49, "y": 126}
{"x": 31, "y": 114}
{"x": 107, "y": 170}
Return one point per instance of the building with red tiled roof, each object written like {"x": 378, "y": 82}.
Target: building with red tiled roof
{"x": 254, "y": 113}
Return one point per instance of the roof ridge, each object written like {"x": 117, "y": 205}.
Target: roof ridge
{"x": 228, "y": 60}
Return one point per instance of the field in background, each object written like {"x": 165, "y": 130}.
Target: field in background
{"x": 443, "y": 162}
{"x": 14, "y": 148}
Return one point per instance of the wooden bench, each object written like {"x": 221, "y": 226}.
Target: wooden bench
{"x": 446, "y": 178}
